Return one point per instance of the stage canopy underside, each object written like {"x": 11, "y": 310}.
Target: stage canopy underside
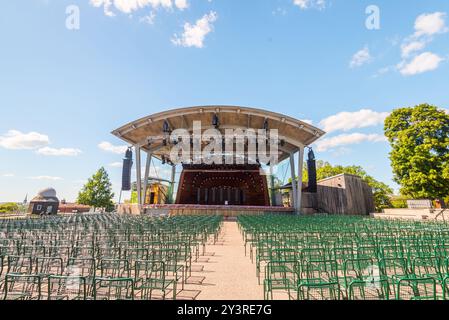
{"x": 151, "y": 135}
{"x": 294, "y": 133}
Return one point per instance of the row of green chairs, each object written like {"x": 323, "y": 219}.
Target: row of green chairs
{"x": 295, "y": 253}
{"x": 137, "y": 253}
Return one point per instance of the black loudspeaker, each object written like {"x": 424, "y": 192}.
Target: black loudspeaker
{"x": 311, "y": 167}
{"x": 127, "y": 167}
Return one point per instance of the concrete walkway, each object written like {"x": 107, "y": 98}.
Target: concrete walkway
{"x": 225, "y": 273}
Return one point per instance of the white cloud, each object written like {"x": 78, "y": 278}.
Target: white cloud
{"x": 307, "y": 4}
{"x": 106, "y": 6}
{"x": 360, "y": 58}
{"x": 430, "y": 24}
{"x": 51, "y": 178}
{"x": 16, "y": 140}
{"x": 149, "y": 19}
{"x": 194, "y": 35}
{"x": 426, "y": 26}
{"x": 8, "y": 175}
{"x": 351, "y": 120}
{"x": 181, "y": 4}
{"x": 62, "y": 152}
{"x": 348, "y": 139}
{"x": 109, "y": 147}
{"x": 409, "y": 48}
{"x": 424, "y": 62}
{"x": 130, "y": 6}
{"x": 115, "y": 164}
{"x": 383, "y": 71}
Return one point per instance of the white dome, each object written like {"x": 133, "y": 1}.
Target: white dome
{"x": 47, "y": 193}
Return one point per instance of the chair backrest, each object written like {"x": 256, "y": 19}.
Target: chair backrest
{"x": 283, "y": 254}
{"x": 364, "y": 269}
{"x": 113, "y": 289}
{"x": 20, "y": 264}
{"x": 319, "y": 291}
{"x": 2, "y": 265}
{"x": 392, "y": 251}
{"x": 377, "y": 289}
{"x": 146, "y": 270}
{"x": 393, "y": 267}
{"x": 66, "y": 288}
{"x": 84, "y": 267}
{"x": 416, "y": 289}
{"x": 115, "y": 268}
{"x": 132, "y": 254}
{"x": 341, "y": 254}
{"x": 367, "y": 252}
{"x": 48, "y": 265}
{"x": 22, "y": 287}
{"x": 281, "y": 270}
{"x": 321, "y": 270}
{"x": 426, "y": 266}
{"x": 442, "y": 250}
{"x": 315, "y": 254}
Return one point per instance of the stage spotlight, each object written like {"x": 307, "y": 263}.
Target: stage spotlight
{"x": 215, "y": 121}
{"x": 166, "y": 127}
{"x": 265, "y": 125}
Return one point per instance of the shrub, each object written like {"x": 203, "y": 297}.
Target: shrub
{"x": 9, "y": 207}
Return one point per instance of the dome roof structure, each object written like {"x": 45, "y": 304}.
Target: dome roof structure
{"x": 48, "y": 195}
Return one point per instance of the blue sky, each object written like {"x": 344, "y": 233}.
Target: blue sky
{"x": 62, "y": 91}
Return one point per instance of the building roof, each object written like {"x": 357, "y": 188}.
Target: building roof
{"x": 46, "y": 195}
{"x": 147, "y": 132}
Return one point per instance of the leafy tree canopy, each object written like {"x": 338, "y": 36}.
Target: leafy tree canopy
{"x": 97, "y": 192}
{"x": 419, "y": 137}
{"x": 9, "y": 207}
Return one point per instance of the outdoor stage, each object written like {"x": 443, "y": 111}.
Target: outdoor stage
{"x": 180, "y": 209}
{"x": 230, "y": 177}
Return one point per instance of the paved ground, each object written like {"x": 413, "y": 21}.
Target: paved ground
{"x": 224, "y": 273}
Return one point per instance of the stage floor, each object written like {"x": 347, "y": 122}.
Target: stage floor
{"x": 227, "y": 211}
{"x": 182, "y": 209}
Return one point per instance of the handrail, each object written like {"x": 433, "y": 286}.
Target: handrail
{"x": 441, "y": 213}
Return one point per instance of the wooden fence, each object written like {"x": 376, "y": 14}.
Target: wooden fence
{"x": 344, "y": 195}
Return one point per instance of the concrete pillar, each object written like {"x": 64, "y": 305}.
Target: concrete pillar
{"x": 300, "y": 168}
{"x": 172, "y": 183}
{"x": 138, "y": 177}
{"x": 272, "y": 191}
{"x": 146, "y": 176}
{"x": 292, "y": 170}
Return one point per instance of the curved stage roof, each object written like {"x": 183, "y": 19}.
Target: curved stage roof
{"x": 295, "y": 133}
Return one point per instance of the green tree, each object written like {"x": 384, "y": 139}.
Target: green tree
{"x": 419, "y": 137}
{"x": 9, "y": 207}
{"x": 97, "y": 192}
